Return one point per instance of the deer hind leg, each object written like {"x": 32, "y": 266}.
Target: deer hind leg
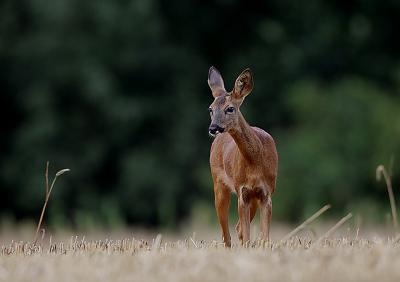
{"x": 244, "y": 215}
{"x": 222, "y": 199}
{"x": 265, "y": 214}
{"x": 253, "y": 211}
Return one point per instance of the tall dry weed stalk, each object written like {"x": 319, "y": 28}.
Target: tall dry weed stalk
{"x": 48, "y": 193}
{"x": 306, "y": 223}
{"x": 335, "y": 227}
{"x": 380, "y": 170}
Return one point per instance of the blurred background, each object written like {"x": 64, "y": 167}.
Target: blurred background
{"x": 117, "y": 92}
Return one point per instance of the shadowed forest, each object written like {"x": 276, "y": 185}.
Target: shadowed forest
{"x": 117, "y": 92}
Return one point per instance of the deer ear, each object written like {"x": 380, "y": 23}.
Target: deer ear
{"x": 215, "y": 82}
{"x": 243, "y": 84}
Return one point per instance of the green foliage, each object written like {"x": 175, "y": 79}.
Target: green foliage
{"x": 342, "y": 132}
{"x": 116, "y": 91}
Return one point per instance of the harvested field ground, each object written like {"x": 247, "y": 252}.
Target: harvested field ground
{"x": 297, "y": 259}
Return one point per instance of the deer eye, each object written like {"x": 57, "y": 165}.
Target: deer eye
{"x": 210, "y": 110}
{"x": 230, "y": 110}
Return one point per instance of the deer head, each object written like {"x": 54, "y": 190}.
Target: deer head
{"x": 224, "y": 111}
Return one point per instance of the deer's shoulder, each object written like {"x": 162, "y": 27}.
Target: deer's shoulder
{"x": 264, "y": 136}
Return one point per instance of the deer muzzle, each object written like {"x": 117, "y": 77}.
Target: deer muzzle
{"x": 214, "y": 129}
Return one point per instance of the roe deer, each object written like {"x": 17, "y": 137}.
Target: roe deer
{"x": 243, "y": 159}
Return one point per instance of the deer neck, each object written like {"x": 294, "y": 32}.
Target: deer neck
{"x": 246, "y": 139}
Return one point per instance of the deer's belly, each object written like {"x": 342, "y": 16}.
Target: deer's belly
{"x": 235, "y": 184}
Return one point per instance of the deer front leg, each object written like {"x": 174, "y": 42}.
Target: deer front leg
{"x": 244, "y": 215}
{"x": 222, "y": 199}
{"x": 265, "y": 215}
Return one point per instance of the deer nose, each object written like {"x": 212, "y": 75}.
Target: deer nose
{"x": 215, "y": 129}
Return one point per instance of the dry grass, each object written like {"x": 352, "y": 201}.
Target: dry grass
{"x": 294, "y": 258}
{"x": 381, "y": 171}
{"x": 48, "y": 193}
{"x": 297, "y": 259}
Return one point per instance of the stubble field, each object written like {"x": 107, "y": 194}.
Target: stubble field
{"x": 301, "y": 258}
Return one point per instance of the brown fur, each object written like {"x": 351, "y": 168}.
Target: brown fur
{"x": 243, "y": 160}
